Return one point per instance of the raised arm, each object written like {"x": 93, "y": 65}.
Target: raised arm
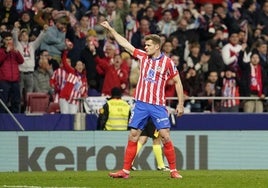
{"x": 121, "y": 40}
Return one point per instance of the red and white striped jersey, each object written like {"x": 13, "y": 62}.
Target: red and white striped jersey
{"x": 58, "y": 80}
{"x": 75, "y": 85}
{"x": 230, "y": 89}
{"x": 154, "y": 72}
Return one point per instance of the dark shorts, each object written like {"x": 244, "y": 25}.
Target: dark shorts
{"x": 149, "y": 130}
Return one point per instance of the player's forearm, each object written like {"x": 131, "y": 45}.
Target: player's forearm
{"x": 122, "y": 41}
{"x": 179, "y": 91}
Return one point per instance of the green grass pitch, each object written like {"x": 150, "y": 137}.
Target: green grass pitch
{"x": 138, "y": 179}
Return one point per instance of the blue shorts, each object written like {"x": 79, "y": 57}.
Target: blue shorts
{"x": 142, "y": 111}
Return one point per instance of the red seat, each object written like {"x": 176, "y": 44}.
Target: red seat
{"x": 37, "y": 102}
{"x": 53, "y": 108}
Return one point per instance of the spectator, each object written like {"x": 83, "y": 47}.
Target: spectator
{"x": 3, "y": 28}
{"x": 167, "y": 48}
{"x": 230, "y": 88}
{"x": 177, "y": 48}
{"x": 109, "y": 41}
{"x": 192, "y": 55}
{"x": 192, "y": 84}
{"x": 22, "y": 5}
{"x": 132, "y": 23}
{"x": 77, "y": 7}
{"x": 230, "y": 53}
{"x": 26, "y": 22}
{"x": 115, "y": 74}
{"x": 263, "y": 19}
{"x": 110, "y": 12}
{"x": 233, "y": 18}
{"x": 261, "y": 49}
{"x": 183, "y": 34}
{"x": 162, "y": 6}
{"x": 121, "y": 12}
{"x": 45, "y": 54}
{"x": 115, "y": 113}
{"x": 54, "y": 43}
{"x": 116, "y": 12}
{"x": 167, "y": 25}
{"x": 109, "y": 53}
{"x": 63, "y": 13}
{"x": 138, "y": 37}
{"x": 219, "y": 38}
{"x": 216, "y": 24}
{"x": 75, "y": 86}
{"x": 27, "y": 49}
{"x": 56, "y": 5}
{"x": 78, "y": 37}
{"x": 10, "y": 59}
{"x": 58, "y": 79}
{"x": 215, "y": 61}
{"x": 205, "y": 19}
{"x": 42, "y": 76}
{"x": 93, "y": 77}
{"x": 252, "y": 82}
{"x": 84, "y": 25}
{"x": 150, "y": 15}
{"x": 37, "y": 6}
{"x": 93, "y": 16}
{"x": 43, "y": 16}
{"x": 213, "y": 89}
{"x": 250, "y": 15}
{"x": 192, "y": 21}
{"x": 8, "y": 13}
{"x": 100, "y": 30}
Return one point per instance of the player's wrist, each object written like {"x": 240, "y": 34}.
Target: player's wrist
{"x": 180, "y": 105}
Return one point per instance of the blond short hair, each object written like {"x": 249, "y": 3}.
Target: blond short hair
{"x": 155, "y": 38}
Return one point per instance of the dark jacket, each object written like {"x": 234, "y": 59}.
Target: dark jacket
{"x": 245, "y": 80}
{"x": 13, "y": 16}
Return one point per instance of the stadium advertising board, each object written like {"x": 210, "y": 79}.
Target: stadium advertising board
{"x": 101, "y": 150}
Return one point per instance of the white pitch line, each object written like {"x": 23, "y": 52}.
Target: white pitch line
{"x": 31, "y": 186}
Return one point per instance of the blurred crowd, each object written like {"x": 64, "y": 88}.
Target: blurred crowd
{"x": 59, "y": 48}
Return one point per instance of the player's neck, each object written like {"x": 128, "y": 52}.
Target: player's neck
{"x": 157, "y": 56}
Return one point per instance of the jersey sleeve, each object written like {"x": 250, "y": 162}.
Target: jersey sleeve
{"x": 139, "y": 54}
{"x": 172, "y": 69}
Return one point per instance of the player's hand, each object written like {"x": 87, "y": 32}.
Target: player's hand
{"x": 180, "y": 110}
{"x": 106, "y": 25}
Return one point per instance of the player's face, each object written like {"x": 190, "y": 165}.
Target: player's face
{"x": 150, "y": 47}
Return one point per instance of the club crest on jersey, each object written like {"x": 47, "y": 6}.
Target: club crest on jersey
{"x": 151, "y": 73}
{"x": 158, "y": 69}
{"x": 150, "y": 76}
